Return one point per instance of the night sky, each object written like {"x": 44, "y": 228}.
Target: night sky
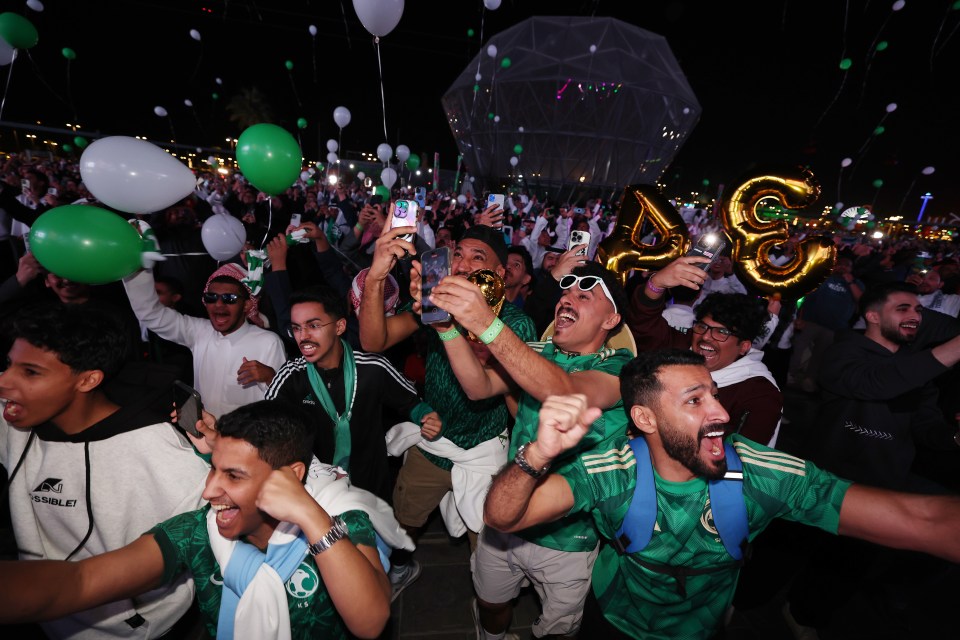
{"x": 768, "y": 75}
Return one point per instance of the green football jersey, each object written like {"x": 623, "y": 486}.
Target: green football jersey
{"x": 575, "y": 532}
{"x": 185, "y": 545}
{"x": 467, "y": 422}
{"x": 653, "y": 604}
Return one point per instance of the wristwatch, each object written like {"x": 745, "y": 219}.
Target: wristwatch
{"x": 521, "y": 461}
{"x": 337, "y": 532}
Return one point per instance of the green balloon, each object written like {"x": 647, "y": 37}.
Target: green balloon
{"x": 301, "y": 123}
{"x": 269, "y": 157}
{"x": 215, "y": 95}
{"x": 382, "y": 191}
{"x": 505, "y": 63}
{"x": 289, "y": 65}
{"x": 882, "y": 45}
{"x": 476, "y": 88}
{"x": 17, "y": 30}
{"x": 311, "y": 182}
{"x": 85, "y": 244}
{"x": 81, "y": 143}
{"x": 69, "y": 53}
{"x": 68, "y": 148}
{"x": 490, "y": 116}
{"x": 413, "y": 163}
{"x": 470, "y": 33}
{"x": 706, "y": 182}
{"x": 878, "y": 183}
{"x": 517, "y": 149}
{"x": 880, "y": 129}
{"x": 846, "y": 63}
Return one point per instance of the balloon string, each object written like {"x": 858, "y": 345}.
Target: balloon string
{"x": 346, "y": 27}
{"x": 314, "y": 48}
{"x": 293, "y": 86}
{"x": 473, "y": 108}
{"x": 269, "y": 221}
{"x": 73, "y": 109}
{"x": 6, "y": 89}
{"x": 199, "y": 60}
{"x": 383, "y": 97}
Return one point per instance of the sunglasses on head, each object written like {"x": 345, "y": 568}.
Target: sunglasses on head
{"x": 586, "y": 283}
{"x": 210, "y": 297}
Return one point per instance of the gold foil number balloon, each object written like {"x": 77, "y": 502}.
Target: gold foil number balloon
{"x": 493, "y": 288}
{"x": 622, "y": 251}
{"x": 753, "y": 238}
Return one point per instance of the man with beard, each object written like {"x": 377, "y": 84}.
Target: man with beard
{"x": 557, "y": 557}
{"x": 725, "y": 326}
{"x": 930, "y": 289}
{"x": 344, "y": 391}
{"x": 233, "y": 359}
{"x": 682, "y": 582}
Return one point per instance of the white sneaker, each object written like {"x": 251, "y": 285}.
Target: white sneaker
{"x": 481, "y": 634}
{"x": 403, "y": 578}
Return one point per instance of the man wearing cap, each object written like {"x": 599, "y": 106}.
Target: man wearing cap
{"x": 558, "y": 557}
{"x": 233, "y": 359}
{"x": 425, "y": 478}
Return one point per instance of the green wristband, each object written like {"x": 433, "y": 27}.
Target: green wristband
{"x": 446, "y": 336}
{"x": 492, "y": 331}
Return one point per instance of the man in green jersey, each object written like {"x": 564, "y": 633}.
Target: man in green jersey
{"x": 557, "y": 557}
{"x": 681, "y": 584}
{"x": 262, "y": 517}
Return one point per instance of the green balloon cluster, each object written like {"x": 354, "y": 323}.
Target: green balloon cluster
{"x": 17, "y": 30}
{"x": 413, "y": 163}
{"x": 269, "y": 157}
{"x": 69, "y": 53}
{"x": 85, "y": 244}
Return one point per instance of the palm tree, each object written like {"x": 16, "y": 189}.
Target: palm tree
{"x": 249, "y": 107}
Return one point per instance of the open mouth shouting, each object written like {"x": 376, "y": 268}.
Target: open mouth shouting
{"x": 309, "y": 349}
{"x": 711, "y": 442}
{"x": 566, "y": 317}
{"x": 226, "y": 514}
{"x": 221, "y": 320}
{"x": 11, "y": 410}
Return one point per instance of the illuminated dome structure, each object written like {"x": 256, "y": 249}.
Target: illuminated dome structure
{"x": 595, "y": 102}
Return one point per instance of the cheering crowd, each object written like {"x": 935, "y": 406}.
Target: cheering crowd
{"x": 614, "y": 445}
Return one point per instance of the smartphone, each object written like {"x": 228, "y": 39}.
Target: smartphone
{"x": 188, "y": 405}
{"x": 579, "y": 210}
{"x": 25, "y": 185}
{"x": 495, "y": 198}
{"x": 508, "y": 234}
{"x": 294, "y": 219}
{"x": 709, "y": 245}
{"x": 434, "y": 266}
{"x": 52, "y": 191}
{"x": 581, "y": 239}
{"x": 405, "y": 215}
{"x": 420, "y": 195}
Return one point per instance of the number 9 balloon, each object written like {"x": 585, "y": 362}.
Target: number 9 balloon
{"x": 794, "y": 188}
{"x": 621, "y": 254}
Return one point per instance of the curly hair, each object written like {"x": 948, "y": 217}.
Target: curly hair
{"x": 84, "y": 338}
{"x": 742, "y": 314}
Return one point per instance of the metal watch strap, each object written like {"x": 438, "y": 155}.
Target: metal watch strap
{"x": 521, "y": 461}
{"x": 338, "y": 531}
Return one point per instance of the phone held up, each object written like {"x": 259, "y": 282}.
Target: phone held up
{"x": 405, "y": 215}
{"x": 580, "y": 239}
{"x": 709, "y": 245}
{"x": 187, "y": 403}
{"x": 434, "y": 266}
{"x": 420, "y": 195}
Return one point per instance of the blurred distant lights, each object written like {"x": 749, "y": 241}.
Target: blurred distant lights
{"x": 877, "y": 235}
{"x": 600, "y": 88}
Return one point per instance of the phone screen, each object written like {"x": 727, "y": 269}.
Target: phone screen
{"x": 405, "y": 215}
{"x": 188, "y": 407}
{"x": 709, "y": 245}
{"x": 435, "y": 265}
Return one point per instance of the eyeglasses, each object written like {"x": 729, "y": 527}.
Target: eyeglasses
{"x": 719, "y": 334}
{"x": 296, "y": 330}
{"x": 586, "y": 283}
{"x": 209, "y": 297}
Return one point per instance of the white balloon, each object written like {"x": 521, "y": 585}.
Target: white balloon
{"x": 332, "y": 145}
{"x": 403, "y": 152}
{"x": 520, "y": 129}
{"x": 928, "y": 171}
{"x": 134, "y": 176}
{"x": 898, "y": 5}
{"x": 361, "y": 175}
{"x": 472, "y": 178}
{"x": 686, "y": 111}
{"x": 188, "y": 102}
{"x": 304, "y": 175}
{"x": 36, "y": 5}
{"x": 388, "y": 176}
{"x": 195, "y": 34}
{"x": 478, "y": 77}
{"x": 846, "y": 162}
{"x": 492, "y": 5}
{"x": 514, "y": 160}
{"x": 312, "y": 29}
{"x": 379, "y": 17}
{"x": 593, "y": 48}
{"x": 219, "y": 81}
{"x": 223, "y": 236}
{"x": 211, "y": 161}
{"x": 6, "y": 53}
{"x": 384, "y": 151}
{"x": 332, "y": 157}
{"x": 160, "y": 111}
{"x": 341, "y": 115}
{"x": 462, "y": 199}
{"x": 496, "y": 118}
{"x": 492, "y": 51}
{"x": 891, "y": 107}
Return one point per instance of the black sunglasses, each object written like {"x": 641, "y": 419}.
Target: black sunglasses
{"x": 210, "y": 297}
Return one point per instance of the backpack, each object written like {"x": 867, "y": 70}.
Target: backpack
{"x": 726, "y": 501}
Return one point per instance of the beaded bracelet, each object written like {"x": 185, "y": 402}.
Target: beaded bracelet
{"x": 654, "y": 288}
{"x": 449, "y": 335}
{"x": 492, "y": 331}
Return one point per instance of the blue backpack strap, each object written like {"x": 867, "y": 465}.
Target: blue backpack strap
{"x": 637, "y": 528}
{"x": 728, "y": 506}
